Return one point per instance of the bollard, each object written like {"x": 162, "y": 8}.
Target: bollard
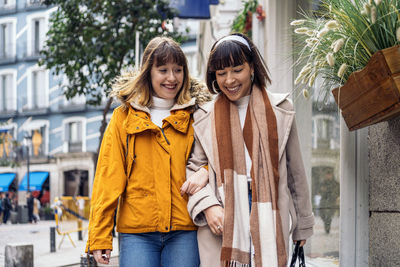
{"x": 87, "y": 260}
{"x": 80, "y": 232}
{"x": 52, "y": 239}
{"x": 18, "y": 254}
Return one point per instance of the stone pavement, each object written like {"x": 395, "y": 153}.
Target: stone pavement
{"x": 39, "y": 235}
{"x": 319, "y": 248}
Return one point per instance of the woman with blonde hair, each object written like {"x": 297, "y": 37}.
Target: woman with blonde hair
{"x": 257, "y": 193}
{"x": 142, "y": 162}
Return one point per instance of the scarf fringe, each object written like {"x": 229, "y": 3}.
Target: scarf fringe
{"x": 233, "y": 263}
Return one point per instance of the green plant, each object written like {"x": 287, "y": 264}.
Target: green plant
{"x": 341, "y": 37}
{"x": 91, "y": 42}
{"x": 243, "y": 21}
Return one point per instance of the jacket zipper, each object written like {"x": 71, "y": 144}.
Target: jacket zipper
{"x": 166, "y": 139}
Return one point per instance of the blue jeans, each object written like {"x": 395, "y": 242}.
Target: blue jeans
{"x": 155, "y": 249}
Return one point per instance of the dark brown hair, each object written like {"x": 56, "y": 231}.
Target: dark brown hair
{"x": 137, "y": 87}
{"x": 231, "y": 53}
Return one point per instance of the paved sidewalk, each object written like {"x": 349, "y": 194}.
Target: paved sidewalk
{"x": 39, "y": 235}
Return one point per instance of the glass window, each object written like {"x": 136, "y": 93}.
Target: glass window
{"x": 7, "y": 98}
{"x": 76, "y": 183}
{"x": 7, "y": 3}
{"x": 38, "y": 89}
{"x": 38, "y": 142}
{"x": 6, "y": 41}
{"x": 325, "y": 183}
{"x": 34, "y": 2}
{"x": 38, "y": 35}
{"x": 6, "y": 143}
{"x": 75, "y": 137}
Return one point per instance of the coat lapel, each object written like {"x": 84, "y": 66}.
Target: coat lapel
{"x": 204, "y": 117}
{"x": 203, "y": 128}
{"x": 284, "y": 119}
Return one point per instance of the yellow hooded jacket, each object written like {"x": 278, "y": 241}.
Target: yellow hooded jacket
{"x": 141, "y": 168}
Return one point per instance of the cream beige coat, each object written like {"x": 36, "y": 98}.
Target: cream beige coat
{"x": 294, "y": 197}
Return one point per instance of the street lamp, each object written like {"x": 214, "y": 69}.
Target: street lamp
{"x": 27, "y": 141}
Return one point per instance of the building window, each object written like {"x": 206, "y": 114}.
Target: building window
{"x": 6, "y": 89}
{"x": 6, "y": 144}
{"x": 37, "y": 143}
{"x": 74, "y": 134}
{"x": 324, "y": 129}
{"x": 38, "y": 36}
{"x": 76, "y": 183}
{"x": 33, "y": 3}
{"x": 38, "y": 89}
{"x": 6, "y": 41}
{"x": 7, "y": 92}
{"x": 325, "y": 181}
{"x": 7, "y": 4}
{"x": 75, "y": 137}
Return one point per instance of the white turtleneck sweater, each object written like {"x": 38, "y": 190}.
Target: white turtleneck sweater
{"x": 160, "y": 109}
{"x": 242, "y": 104}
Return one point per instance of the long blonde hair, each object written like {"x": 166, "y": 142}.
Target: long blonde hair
{"x": 136, "y": 87}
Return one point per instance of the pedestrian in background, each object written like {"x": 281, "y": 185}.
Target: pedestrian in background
{"x": 36, "y": 208}
{"x": 7, "y": 207}
{"x": 142, "y": 164}
{"x": 29, "y": 203}
{"x": 329, "y": 190}
{"x": 248, "y": 139}
{"x": 1, "y": 207}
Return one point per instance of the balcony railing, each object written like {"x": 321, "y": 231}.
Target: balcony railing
{"x": 8, "y": 106}
{"x": 34, "y": 4}
{"x": 8, "y": 9}
{"x": 74, "y": 146}
{"x": 30, "y": 50}
{"x": 7, "y": 53}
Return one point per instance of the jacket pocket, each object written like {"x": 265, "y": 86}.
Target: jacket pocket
{"x": 138, "y": 210}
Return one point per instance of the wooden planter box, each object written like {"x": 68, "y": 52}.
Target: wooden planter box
{"x": 372, "y": 94}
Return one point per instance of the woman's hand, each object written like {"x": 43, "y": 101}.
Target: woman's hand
{"x": 102, "y": 256}
{"x": 302, "y": 242}
{"x": 215, "y": 219}
{"x": 195, "y": 182}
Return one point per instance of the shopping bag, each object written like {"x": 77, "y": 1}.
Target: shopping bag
{"x": 298, "y": 254}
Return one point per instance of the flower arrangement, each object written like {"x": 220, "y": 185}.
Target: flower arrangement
{"x": 341, "y": 37}
{"x": 243, "y": 22}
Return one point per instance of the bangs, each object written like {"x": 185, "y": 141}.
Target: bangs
{"x": 228, "y": 54}
{"x": 166, "y": 53}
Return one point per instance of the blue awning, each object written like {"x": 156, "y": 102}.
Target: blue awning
{"x": 5, "y": 181}
{"x": 36, "y": 180}
{"x": 188, "y": 9}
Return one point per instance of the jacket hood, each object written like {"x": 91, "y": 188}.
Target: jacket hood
{"x": 199, "y": 91}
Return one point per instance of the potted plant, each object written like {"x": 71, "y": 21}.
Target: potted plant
{"x": 354, "y": 47}
{"x": 46, "y": 213}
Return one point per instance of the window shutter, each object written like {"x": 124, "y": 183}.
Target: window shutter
{"x": 2, "y": 92}
{"x": 9, "y": 92}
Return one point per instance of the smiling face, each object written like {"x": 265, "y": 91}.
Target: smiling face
{"x": 166, "y": 80}
{"x": 235, "y": 82}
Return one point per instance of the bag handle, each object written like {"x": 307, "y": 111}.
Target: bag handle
{"x": 298, "y": 253}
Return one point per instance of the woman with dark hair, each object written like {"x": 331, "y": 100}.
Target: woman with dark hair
{"x": 142, "y": 165}
{"x": 257, "y": 193}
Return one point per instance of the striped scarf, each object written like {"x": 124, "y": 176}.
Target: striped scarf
{"x": 264, "y": 223}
